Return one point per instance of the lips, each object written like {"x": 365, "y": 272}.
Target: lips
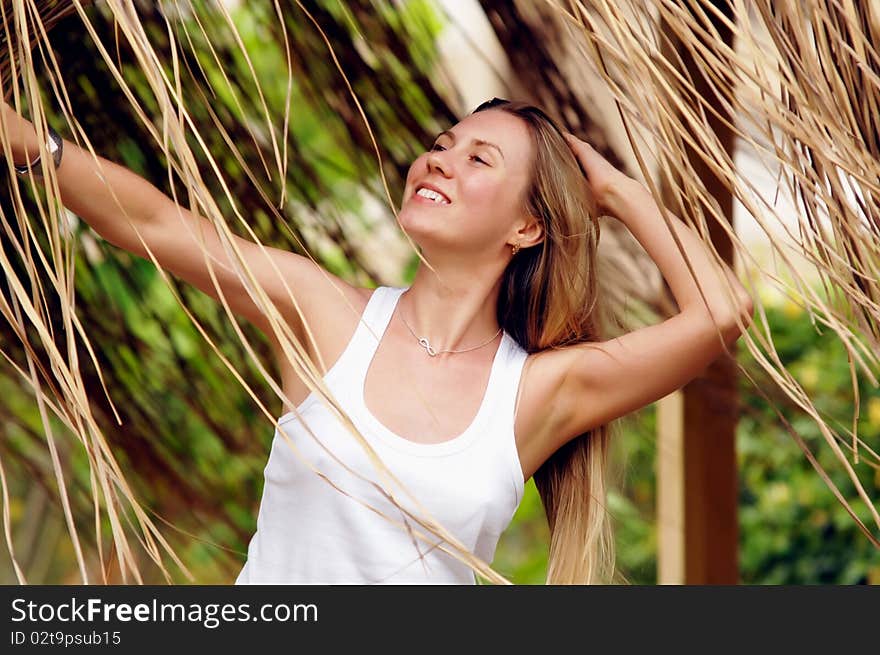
{"x": 435, "y": 195}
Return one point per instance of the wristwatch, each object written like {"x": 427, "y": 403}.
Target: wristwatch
{"x": 55, "y": 146}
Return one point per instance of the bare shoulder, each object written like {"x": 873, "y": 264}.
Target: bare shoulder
{"x": 328, "y": 312}
{"x": 333, "y": 302}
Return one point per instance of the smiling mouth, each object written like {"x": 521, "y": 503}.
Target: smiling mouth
{"x": 433, "y": 196}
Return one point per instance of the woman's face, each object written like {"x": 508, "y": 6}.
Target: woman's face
{"x": 467, "y": 192}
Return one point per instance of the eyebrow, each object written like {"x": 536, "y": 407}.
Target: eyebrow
{"x": 478, "y": 142}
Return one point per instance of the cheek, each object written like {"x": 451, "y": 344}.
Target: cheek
{"x": 496, "y": 202}
{"x": 416, "y": 169}
{"x": 487, "y": 213}
{"x": 490, "y": 194}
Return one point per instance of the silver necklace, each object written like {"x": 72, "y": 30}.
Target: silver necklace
{"x": 424, "y": 343}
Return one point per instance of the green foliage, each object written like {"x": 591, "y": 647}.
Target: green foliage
{"x": 794, "y": 531}
{"x": 521, "y": 555}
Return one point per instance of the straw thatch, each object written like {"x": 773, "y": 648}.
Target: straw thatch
{"x": 802, "y": 83}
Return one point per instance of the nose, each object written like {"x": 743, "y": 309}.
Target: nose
{"x": 437, "y": 164}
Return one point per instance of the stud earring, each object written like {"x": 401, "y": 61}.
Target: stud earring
{"x": 514, "y": 249}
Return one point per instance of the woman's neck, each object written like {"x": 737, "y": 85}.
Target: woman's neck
{"x": 453, "y": 310}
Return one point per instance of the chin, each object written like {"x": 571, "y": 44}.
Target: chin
{"x": 432, "y": 230}
{"x": 421, "y": 228}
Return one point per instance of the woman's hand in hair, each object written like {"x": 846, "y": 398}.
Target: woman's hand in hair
{"x": 601, "y": 175}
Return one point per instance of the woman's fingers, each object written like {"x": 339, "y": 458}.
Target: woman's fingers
{"x": 601, "y": 174}
{"x": 573, "y": 142}
{"x": 589, "y": 160}
{"x": 585, "y": 153}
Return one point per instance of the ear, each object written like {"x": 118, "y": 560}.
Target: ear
{"x": 529, "y": 232}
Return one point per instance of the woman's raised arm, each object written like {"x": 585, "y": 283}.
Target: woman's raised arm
{"x": 594, "y": 383}
{"x": 131, "y": 213}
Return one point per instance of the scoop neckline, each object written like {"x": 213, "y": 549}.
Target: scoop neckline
{"x": 456, "y": 443}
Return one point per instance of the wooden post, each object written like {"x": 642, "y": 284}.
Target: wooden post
{"x": 696, "y": 428}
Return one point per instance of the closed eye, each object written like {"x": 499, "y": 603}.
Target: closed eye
{"x": 437, "y": 148}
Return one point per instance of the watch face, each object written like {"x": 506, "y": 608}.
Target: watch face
{"x": 54, "y": 145}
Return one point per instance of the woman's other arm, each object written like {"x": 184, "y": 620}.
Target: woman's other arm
{"x": 598, "y": 382}
{"x": 633, "y": 205}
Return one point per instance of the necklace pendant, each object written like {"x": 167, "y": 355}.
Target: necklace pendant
{"x": 423, "y": 342}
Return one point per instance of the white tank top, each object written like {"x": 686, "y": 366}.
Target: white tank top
{"x": 310, "y": 533}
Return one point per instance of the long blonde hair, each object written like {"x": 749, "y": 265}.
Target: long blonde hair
{"x": 549, "y": 298}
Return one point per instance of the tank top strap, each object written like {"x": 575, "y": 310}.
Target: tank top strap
{"x": 511, "y": 363}
{"x": 373, "y": 324}
{"x": 505, "y": 393}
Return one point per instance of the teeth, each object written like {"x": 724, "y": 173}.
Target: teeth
{"x": 432, "y": 195}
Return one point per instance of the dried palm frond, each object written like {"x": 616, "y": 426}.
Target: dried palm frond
{"x": 800, "y": 89}
{"x": 46, "y": 14}
{"x": 182, "y": 80}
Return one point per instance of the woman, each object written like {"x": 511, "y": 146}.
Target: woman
{"x": 489, "y": 369}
